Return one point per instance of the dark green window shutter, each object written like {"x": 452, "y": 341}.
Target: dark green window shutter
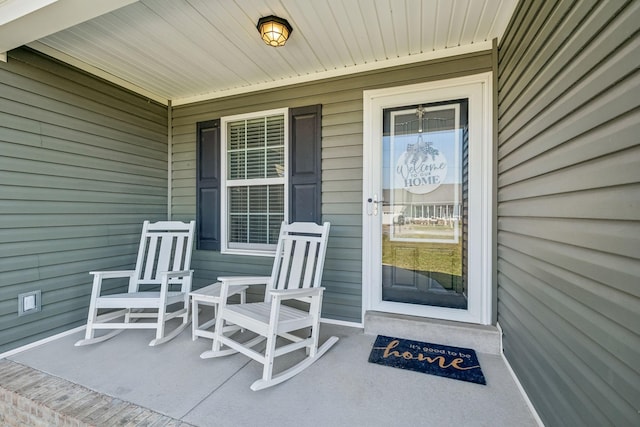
{"x": 208, "y": 185}
{"x": 305, "y": 163}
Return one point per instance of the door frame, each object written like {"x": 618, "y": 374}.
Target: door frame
{"x": 478, "y": 89}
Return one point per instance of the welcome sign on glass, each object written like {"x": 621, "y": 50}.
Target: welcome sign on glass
{"x": 424, "y": 173}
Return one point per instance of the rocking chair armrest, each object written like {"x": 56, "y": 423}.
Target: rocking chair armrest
{"x": 234, "y": 284}
{"x": 244, "y": 280}
{"x": 166, "y": 275}
{"x": 113, "y": 274}
{"x": 178, "y": 273}
{"x": 285, "y": 294}
{"x": 99, "y": 276}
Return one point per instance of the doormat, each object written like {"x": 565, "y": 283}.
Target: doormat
{"x": 435, "y": 359}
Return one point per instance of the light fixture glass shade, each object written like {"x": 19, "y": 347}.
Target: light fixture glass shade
{"x": 274, "y": 31}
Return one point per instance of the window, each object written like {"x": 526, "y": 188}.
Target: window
{"x": 254, "y": 180}
{"x": 252, "y": 172}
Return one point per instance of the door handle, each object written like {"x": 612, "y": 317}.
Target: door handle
{"x": 372, "y": 208}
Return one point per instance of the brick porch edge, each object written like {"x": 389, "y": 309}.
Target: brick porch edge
{"x": 29, "y": 397}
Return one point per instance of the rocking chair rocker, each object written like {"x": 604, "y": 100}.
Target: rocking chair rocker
{"x": 296, "y": 275}
{"x": 163, "y": 262}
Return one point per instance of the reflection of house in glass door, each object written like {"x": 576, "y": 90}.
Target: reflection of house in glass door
{"x": 438, "y": 207}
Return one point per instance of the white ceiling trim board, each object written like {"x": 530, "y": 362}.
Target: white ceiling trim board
{"x": 377, "y": 65}
{"x": 11, "y": 10}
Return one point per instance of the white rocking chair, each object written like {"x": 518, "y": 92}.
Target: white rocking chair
{"x": 161, "y": 278}
{"x": 296, "y": 275}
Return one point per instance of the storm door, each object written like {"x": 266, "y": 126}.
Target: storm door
{"x": 425, "y": 203}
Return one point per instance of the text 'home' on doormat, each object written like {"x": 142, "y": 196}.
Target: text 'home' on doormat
{"x": 435, "y": 359}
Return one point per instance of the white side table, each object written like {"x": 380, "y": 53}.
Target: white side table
{"x": 210, "y": 295}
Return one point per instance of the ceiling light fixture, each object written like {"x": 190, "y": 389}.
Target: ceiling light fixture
{"x": 274, "y": 31}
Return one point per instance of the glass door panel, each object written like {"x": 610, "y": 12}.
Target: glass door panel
{"x": 424, "y": 204}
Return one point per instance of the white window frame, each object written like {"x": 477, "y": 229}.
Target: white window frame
{"x": 254, "y": 249}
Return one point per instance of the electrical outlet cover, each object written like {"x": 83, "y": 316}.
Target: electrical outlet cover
{"x": 29, "y": 302}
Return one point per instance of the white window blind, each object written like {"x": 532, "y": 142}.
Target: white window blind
{"x": 255, "y": 181}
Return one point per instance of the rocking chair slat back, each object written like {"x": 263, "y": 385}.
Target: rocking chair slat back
{"x": 281, "y": 268}
{"x": 151, "y": 251}
{"x": 166, "y": 251}
{"x": 308, "y": 273}
{"x": 179, "y": 254}
{"x": 162, "y": 251}
{"x": 299, "y": 263}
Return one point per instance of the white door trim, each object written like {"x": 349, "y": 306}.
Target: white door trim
{"x": 478, "y": 89}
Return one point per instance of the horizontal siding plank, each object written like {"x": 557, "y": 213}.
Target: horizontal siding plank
{"x": 50, "y": 108}
{"x": 528, "y": 352}
{"x": 622, "y": 167}
{"x": 337, "y": 141}
{"x": 343, "y": 196}
{"x": 342, "y": 208}
{"x": 582, "y": 351}
{"x": 184, "y": 174}
{"x": 618, "y": 238}
{"x": 518, "y": 73}
{"x": 23, "y": 195}
{"x": 8, "y": 235}
{"x": 615, "y": 294}
{"x": 343, "y": 129}
{"x": 337, "y": 186}
{"x": 67, "y": 220}
{"x": 620, "y": 133}
{"x": 13, "y": 151}
{"x": 55, "y": 118}
{"x": 350, "y": 117}
{"x": 554, "y": 79}
{"x": 40, "y": 181}
{"x": 182, "y": 185}
{"x": 614, "y": 203}
{"x": 338, "y": 108}
{"x": 517, "y": 26}
{"x": 32, "y": 64}
{"x": 353, "y": 174}
{"x": 341, "y": 163}
{"x": 354, "y": 151}
{"x": 607, "y": 106}
{"x": 76, "y": 208}
{"x": 53, "y": 246}
{"x": 353, "y": 219}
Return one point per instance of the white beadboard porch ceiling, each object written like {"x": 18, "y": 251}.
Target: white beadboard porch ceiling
{"x": 188, "y": 50}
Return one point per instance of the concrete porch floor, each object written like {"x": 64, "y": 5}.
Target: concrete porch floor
{"x": 340, "y": 389}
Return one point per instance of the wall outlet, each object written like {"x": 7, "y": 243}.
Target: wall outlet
{"x": 29, "y": 302}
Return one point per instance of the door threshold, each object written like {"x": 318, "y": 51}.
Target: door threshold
{"x": 481, "y": 338}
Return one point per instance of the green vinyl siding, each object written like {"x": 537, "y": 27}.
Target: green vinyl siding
{"x": 82, "y": 164}
{"x": 569, "y": 208}
{"x": 342, "y": 168}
